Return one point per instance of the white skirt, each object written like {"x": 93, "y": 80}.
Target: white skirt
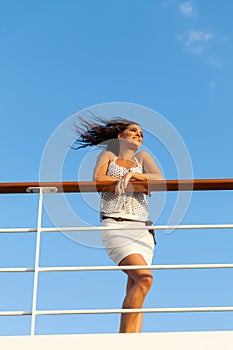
{"x": 122, "y": 242}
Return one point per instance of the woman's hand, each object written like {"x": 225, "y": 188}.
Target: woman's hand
{"x": 123, "y": 183}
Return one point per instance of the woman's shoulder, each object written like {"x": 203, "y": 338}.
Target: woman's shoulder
{"x": 141, "y": 155}
{"x": 107, "y": 155}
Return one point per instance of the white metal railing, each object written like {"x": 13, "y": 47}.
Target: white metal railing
{"x": 97, "y": 228}
{"x": 37, "y": 257}
{"x": 116, "y": 268}
{"x": 37, "y": 269}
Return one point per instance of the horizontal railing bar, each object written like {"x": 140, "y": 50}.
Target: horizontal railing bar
{"x": 17, "y": 230}
{"x": 15, "y": 313}
{"x": 143, "y": 310}
{"x": 102, "y": 228}
{"x": 117, "y": 311}
{"x": 17, "y": 269}
{"x": 139, "y": 227}
{"x": 117, "y": 268}
{"x": 136, "y": 267}
{"x": 135, "y": 186}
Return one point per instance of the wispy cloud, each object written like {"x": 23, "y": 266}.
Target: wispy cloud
{"x": 187, "y": 9}
{"x": 195, "y": 37}
{"x": 196, "y": 41}
{"x": 201, "y": 43}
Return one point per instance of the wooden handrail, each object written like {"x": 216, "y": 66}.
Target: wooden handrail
{"x": 135, "y": 186}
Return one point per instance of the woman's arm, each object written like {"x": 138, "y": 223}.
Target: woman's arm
{"x": 151, "y": 172}
{"x": 101, "y": 167}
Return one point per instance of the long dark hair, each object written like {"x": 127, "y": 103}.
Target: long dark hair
{"x": 98, "y": 131}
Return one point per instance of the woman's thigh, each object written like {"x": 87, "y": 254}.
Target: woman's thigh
{"x": 134, "y": 260}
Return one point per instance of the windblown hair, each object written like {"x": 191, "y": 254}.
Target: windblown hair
{"x": 100, "y": 132}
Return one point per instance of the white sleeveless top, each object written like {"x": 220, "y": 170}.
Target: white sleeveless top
{"x": 131, "y": 205}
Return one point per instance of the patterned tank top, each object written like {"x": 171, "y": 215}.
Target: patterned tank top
{"x": 131, "y": 205}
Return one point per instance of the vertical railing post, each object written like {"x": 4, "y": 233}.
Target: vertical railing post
{"x": 39, "y": 190}
{"x": 37, "y": 257}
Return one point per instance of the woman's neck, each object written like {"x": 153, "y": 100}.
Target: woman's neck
{"x": 126, "y": 154}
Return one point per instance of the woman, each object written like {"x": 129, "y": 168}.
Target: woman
{"x": 126, "y": 247}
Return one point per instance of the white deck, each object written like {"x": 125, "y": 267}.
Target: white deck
{"x": 160, "y": 341}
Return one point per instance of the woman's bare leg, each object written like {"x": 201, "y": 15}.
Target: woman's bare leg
{"x": 138, "y": 322}
{"x": 138, "y": 285}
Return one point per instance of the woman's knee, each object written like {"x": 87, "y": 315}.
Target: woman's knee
{"x": 145, "y": 282}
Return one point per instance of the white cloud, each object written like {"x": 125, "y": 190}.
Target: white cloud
{"x": 198, "y": 37}
{"x": 186, "y": 8}
{"x": 200, "y": 42}
{"x": 196, "y": 41}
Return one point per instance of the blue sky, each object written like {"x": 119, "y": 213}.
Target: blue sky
{"x": 60, "y": 57}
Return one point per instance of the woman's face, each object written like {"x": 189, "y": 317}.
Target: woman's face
{"x": 132, "y": 133}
